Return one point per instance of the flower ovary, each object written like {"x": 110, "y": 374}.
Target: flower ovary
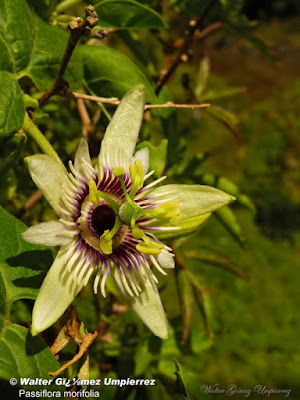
{"x": 103, "y": 219}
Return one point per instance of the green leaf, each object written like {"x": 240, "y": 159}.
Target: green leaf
{"x": 142, "y": 358}
{"x": 133, "y": 42}
{"x": 50, "y": 44}
{"x": 128, "y": 14}
{"x": 157, "y": 155}
{"x": 226, "y": 216}
{"x": 30, "y": 101}
{"x": 211, "y": 256}
{"x": 23, "y": 265}
{"x": 227, "y": 118}
{"x": 181, "y": 386}
{"x": 17, "y": 33}
{"x": 111, "y": 73}
{"x": 187, "y": 303}
{"x": 213, "y": 94}
{"x": 206, "y": 304}
{"x": 21, "y": 356}
{"x": 30, "y": 47}
{"x": 12, "y": 108}
{"x": 43, "y": 8}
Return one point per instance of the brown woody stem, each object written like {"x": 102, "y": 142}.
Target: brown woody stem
{"x": 115, "y": 102}
{"x": 78, "y": 28}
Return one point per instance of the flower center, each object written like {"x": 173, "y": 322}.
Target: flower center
{"x": 103, "y": 218}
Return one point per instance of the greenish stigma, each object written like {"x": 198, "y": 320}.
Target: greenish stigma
{"x": 105, "y": 219}
{"x": 129, "y": 212}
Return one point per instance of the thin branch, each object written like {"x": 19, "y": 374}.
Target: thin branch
{"x": 30, "y": 203}
{"x": 106, "y": 100}
{"x": 207, "y": 31}
{"x": 115, "y": 102}
{"x": 33, "y": 199}
{"x": 182, "y": 55}
{"x": 87, "y": 126}
{"x": 170, "y": 104}
{"x": 78, "y": 28}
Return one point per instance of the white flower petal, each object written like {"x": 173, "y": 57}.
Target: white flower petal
{"x": 147, "y": 305}
{"x": 143, "y": 156}
{"x": 49, "y": 176}
{"x": 165, "y": 259}
{"x": 82, "y": 153}
{"x": 195, "y": 200}
{"x": 122, "y": 132}
{"x": 57, "y": 293}
{"x": 52, "y": 233}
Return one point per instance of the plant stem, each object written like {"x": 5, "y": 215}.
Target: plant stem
{"x": 30, "y": 203}
{"x": 170, "y": 104}
{"x": 78, "y": 28}
{"x": 31, "y": 129}
{"x": 115, "y": 102}
{"x": 182, "y": 55}
{"x": 87, "y": 126}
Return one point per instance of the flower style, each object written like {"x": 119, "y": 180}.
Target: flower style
{"x": 110, "y": 223}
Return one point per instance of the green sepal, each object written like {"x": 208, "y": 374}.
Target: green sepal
{"x": 187, "y": 226}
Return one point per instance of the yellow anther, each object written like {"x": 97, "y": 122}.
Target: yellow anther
{"x": 168, "y": 205}
{"x": 136, "y": 169}
{"x": 167, "y": 210}
{"x": 132, "y": 171}
{"x": 143, "y": 248}
{"x": 140, "y": 170}
{"x": 119, "y": 171}
{"x": 174, "y": 221}
{"x": 93, "y": 193}
{"x": 149, "y": 243}
{"x": 106, "y": 245}
{"x": 137, "y": 174}
{"x": 172, "y": 213}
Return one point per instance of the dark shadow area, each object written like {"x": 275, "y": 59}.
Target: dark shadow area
{"x": 266, "y": 9}
{"x": 36, "y": 260}
{"x": 39, "y": 260}
{"x": 9, "y": 392}
{"x": 32, "y": 282}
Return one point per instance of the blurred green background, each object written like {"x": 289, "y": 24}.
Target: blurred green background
{"x": 257, "y": 343}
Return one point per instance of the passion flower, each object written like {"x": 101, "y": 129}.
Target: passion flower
{"x": 110, "y": 221}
